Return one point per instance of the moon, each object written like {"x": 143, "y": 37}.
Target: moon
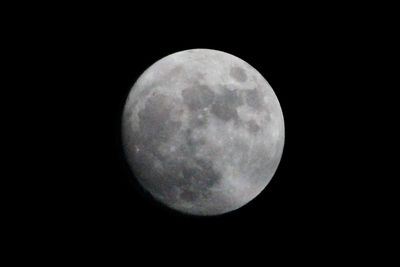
{"x": 203, "y": 132}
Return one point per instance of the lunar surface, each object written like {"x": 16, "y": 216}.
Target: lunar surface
{"x": 203, "y": 131}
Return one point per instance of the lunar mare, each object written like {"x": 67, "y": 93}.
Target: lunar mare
{"x": 203, "y": 131}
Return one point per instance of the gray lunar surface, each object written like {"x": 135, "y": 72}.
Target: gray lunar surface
{"x": 203, "y": 131}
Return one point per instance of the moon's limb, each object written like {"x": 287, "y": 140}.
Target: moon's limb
{"x": 203, "y": 131}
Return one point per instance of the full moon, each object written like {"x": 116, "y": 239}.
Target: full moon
{"x": 203, "y": 132}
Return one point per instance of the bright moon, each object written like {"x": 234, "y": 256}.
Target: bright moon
{"x": 203, "y": 131}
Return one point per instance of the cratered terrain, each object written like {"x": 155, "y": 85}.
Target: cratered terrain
{"x": 203, "y": 131}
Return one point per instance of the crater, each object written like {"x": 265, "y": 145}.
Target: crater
{"x": 238, "y": 74}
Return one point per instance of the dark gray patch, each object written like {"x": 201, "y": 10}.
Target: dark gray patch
{"x": 252, "y": 126}
{"x": 238, "y": 74}
{"x": 190, "y": 144}
{"x": 155, "y": 123}
{"x": 191, "y": 175}
{"x": 189, "y": 195}
{"x": 198, "y": 119}
{"x": 197, "y": 97}
{"x": 198, "y": 178}
{"x": 161, "y": 184}
{"x": 147, "y": 175}
{"x": 254, "y": 98}
{"x": 224, "y": 106}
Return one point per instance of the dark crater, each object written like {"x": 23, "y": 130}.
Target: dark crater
{"x": 254, "y": 98}
{"x": 238, "y": 74}
{"x": 225, "y": 104}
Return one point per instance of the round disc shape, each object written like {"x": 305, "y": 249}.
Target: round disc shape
{"x": 203, "y": 131}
